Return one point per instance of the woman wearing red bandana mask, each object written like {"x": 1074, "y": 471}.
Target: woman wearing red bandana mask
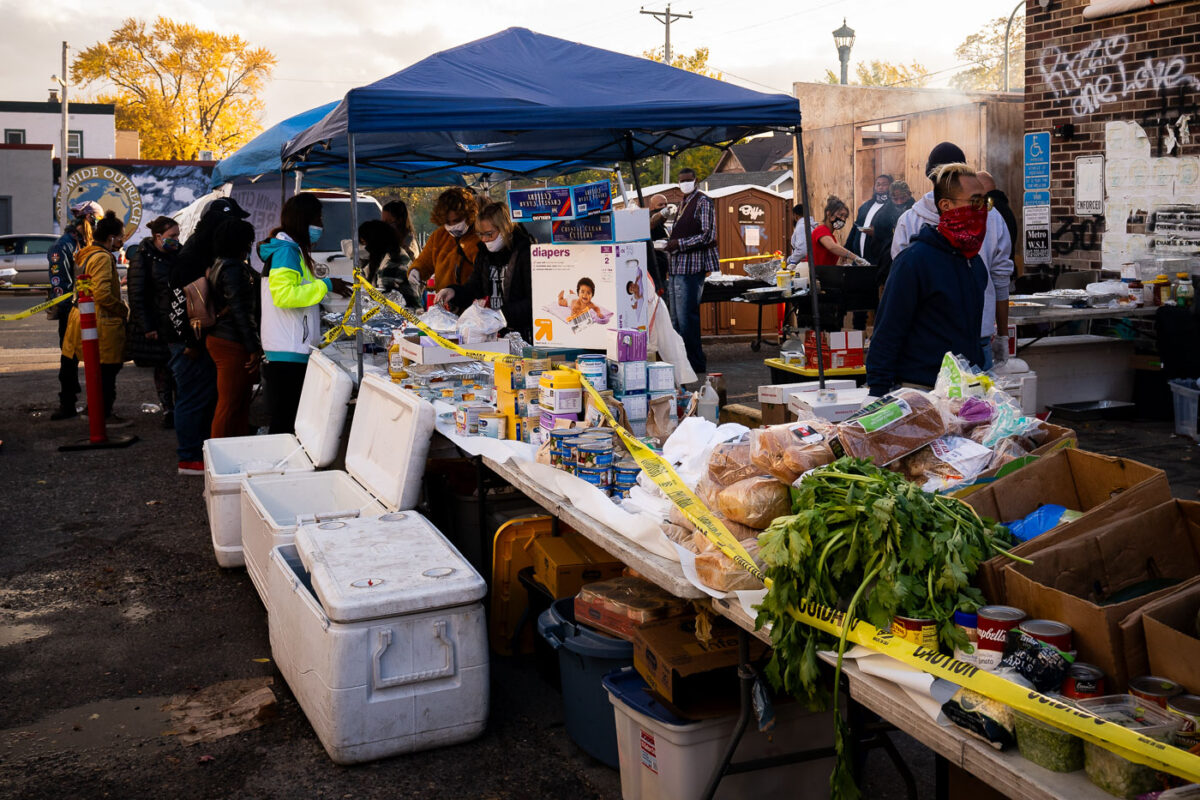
{"x": 933, "y": 301}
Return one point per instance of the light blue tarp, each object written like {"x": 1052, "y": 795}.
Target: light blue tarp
{"x": 520, "y": 98}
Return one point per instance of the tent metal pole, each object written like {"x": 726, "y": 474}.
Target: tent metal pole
{"x": 814, "y": 288}
{"x": 358, "y": 335}
{"x": 637, "y": 184}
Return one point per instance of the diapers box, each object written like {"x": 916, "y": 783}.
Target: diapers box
{"x": 581, "y": 292}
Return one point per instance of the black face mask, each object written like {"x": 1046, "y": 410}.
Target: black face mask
{"x": 881, "y": 197}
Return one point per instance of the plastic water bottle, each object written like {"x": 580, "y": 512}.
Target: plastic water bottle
{"x": 709, "y": 405}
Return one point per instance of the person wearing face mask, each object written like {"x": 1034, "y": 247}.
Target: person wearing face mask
{"x": 933, "y": 302}
{"x": 660, "y": 263}
{"x": 996, "y": 254}
{"x": 291, "y": 305}
{"x": 146, "y": 279}
{"x": 879, "y": 251}
{"x": 61, "y": 260}
{"x": 693, "y": 249}
{"x": 502, "y": 276}
{"x": 99, "y": 264}
{"x": 862, "y": 234}
{"x": 826, "y": 252}
{"x": 233, "y": 342}
{"x": 449, "y": 255}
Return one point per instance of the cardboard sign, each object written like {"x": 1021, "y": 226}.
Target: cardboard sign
{"x": 591, "y": 198}
{"x": 582, "y": 291}
{"x": 550, "y": 202}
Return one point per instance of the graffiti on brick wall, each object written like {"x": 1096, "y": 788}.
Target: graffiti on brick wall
{"x": 1103, "y": 72}
{"x": 1077, "y": 233}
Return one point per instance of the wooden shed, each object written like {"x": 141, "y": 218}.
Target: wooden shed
{"x": 751, "y": 220}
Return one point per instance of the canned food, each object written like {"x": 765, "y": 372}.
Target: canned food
{"x": 596, "y": 476}
{"x": 559, "y": 436}
{"x": 1154, "y": 689}
{"x": 595, "y": 369}
{"x": 626, "y": 472}
{"x": 994, "y": 623}
{"x": 571, "y": 447}
{"x": 968, "y": 623}
{"x": 1083, "y": 681}
{"x": 1186, "y": 706}
{"x": 1056, "y": 634}
{"x": 493, "y": 426}
{"x": 919, "y": 631}
{"x": 620, "y": 492}
{"x": 595, "y": 454}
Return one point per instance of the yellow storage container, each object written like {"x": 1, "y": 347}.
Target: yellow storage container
{"x": 513, "y": 551}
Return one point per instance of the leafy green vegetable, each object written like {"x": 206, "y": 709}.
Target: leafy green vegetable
{"x": 866, "y": 541}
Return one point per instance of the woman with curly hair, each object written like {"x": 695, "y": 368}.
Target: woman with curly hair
{"x": 449, "y": 255}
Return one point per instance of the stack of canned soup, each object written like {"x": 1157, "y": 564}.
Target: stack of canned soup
{"x": 591, "y": 455}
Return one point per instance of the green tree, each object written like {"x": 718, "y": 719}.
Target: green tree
{"x": 697, "y": 62}
{"x": 884, "y": 73}
{"x": 984, "y": 50}
{"x": 700, "y": 159}
{"x": 181, "y": 88}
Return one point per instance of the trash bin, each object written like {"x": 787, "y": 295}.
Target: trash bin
{"x": 585, "y": 656}
{"x": 1186, "y": 396}
{"x": 540, "y": 601}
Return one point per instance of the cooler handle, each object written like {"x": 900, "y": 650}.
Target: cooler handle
{"x": 444, "y": 671}
{"x": 328, "y": 516}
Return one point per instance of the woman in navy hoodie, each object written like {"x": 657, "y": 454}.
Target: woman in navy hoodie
{"x": 933, "y": 301}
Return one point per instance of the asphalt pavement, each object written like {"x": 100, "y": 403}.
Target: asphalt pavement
{"x": 111, "y": 603}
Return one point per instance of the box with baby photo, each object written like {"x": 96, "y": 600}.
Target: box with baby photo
{"x": 582, "y": 291}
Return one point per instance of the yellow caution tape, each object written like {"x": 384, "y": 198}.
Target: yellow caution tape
{"x": 1122, "y": 741}
{"x": 29, "y": 312}
{"x": 766, "y": 257}
{"x": 415, "y": 321}
{"x": 345, "y": 328}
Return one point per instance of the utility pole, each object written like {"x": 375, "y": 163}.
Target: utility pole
{"x": 665, "y": 18}
{"x": 63, "y": 82}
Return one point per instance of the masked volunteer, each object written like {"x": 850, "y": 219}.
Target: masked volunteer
{"x": 449, "y": 255}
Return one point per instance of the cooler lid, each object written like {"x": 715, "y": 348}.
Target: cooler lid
{"x": 389, "y": 441}
{"x": 321, "y": 414}
{"x": 385, "y": 567}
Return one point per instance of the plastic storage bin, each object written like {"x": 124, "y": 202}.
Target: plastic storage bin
{"x": 319, "y": 419}
{"x": 665, "y": 757}
{"x": 377, "y": 627}
{"x": 385, "y": 459}
{"x": 1187, "y": 408}
{"x": 584, "y": 658}
{"x": 1112, "y": 773}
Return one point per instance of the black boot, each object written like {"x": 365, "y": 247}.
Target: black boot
{"x": 65, "y": 411}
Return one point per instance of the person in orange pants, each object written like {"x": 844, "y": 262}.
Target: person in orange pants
{"x": 233, "y": 342}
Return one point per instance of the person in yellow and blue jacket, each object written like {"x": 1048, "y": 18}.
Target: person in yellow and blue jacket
{"x": 291, "y": 311}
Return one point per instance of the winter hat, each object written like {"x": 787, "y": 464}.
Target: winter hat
{"x": 944, "y": 153}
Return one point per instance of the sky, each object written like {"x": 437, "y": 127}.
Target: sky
{"x": 326, "y": 48}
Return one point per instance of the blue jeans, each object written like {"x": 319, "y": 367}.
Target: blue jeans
{"x": 195, "y": 399}
{"x": 985, "y": 343}
{"x": 684, "y": 292}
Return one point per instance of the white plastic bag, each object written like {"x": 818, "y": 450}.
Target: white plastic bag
{"x": 480, "y": 324}
{"x": 664, "y": 339}
{"x": 440, "y": 320}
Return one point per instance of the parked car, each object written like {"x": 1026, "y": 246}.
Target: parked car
{"x": 26, "y": 253}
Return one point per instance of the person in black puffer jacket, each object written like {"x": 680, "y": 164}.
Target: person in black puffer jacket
{"x": 145, "y": 336}
{"x": 233, "y": 342}
{"x": 502, "y": 271}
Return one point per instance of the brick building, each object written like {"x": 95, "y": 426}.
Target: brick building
{"x": 1112, "y": 78}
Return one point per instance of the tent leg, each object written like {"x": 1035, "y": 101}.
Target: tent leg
{"x": 358, "y": 335}
{"x": 814, "y": 288}
{"x": 637, "y": 184}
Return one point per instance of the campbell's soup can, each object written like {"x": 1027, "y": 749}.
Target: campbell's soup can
{"x": 1154, "y": 689}
{"x": 1186, "y": 706}
{"x": 1083, "y": 681}
{"x": 1056, "y": 634}
{"x": 993, "y": 624}
{"x": 919, "y": 631}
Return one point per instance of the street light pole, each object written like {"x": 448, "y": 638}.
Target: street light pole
{"x": 843, "y": 37}
{"x": 64, "y": 82}
{"x": 665, "y": 18}
{"x": 1007, "y": 31}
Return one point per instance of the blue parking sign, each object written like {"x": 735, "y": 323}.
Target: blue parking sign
{"x": 1037, "y": 161}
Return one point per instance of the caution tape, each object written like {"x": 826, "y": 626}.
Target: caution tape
{"x": 415, "y": 321}
{"x": 29, "y": 312}
{"x": 1122, "y": 741}
{"x": 344, "y": 328}
{"x": 766, "y": 257}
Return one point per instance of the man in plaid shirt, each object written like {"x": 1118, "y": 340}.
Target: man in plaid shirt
{"x": 693, "y": 249}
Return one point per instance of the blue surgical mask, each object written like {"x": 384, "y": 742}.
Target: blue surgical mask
{"x": 314, "y": 233}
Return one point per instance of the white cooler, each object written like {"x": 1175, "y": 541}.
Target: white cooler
{"x": 319, "y": 419}
{"x": 385, "y": 459}
{"x": 377, "y": 627}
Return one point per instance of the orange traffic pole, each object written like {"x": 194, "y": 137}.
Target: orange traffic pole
{"x": 91, "y": 361}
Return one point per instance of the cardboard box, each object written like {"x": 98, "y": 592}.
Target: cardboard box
{"x": 1058, "y": 438}
{"x": 1103, "y": 487}
{"x": 625, "y": 377}
{"x": 563, "y": 564}
{"x": 687, "y": 673}
{"x": 612, "y": 276}
{"x": 415, "y": 349}
{"x": 636, "y": 405}
{"x": 773, "y": 398}
{"x": 622, "y": 225}
{"x": 805, "y": 405}
{"x": 839, "y": 349}
{"x": 1071, "y": 582}
{"x": 1172, "y": 645}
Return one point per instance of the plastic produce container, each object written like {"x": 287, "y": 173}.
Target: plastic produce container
{"x": 1112, "y": 773}
{"x": 1187, "y": 407}
{"x": 665, "y": 757}
{"x": 584, "y": 658}
{"x": 1046, "y": 745}
{"x": 324, "y": 400}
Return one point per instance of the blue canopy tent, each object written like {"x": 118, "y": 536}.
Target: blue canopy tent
{"x": 518, "y": 98}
